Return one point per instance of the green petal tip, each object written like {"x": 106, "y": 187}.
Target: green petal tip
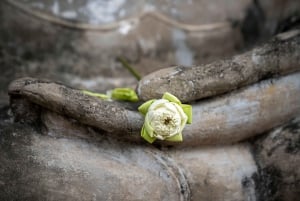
{"x": 171, "y": 98}
{"x": 188, "y": 111}
{"x": 148, "y": 127}
{"x": 146, "y": 136}
{"x": 145, "y": 106}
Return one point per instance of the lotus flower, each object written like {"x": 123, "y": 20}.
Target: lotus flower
{"x": 165, "y": 118}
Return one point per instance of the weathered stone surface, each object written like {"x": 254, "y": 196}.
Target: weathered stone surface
{"x": 64, "y": 154}
{"x": 54, "y": 167}
{"x": 24, "y": 111}
{"x": 275, "y": 12}
{"x": 247, "y": 112}
{"x": 226, "y": 119}
{"x": 70, "y": 161}
{"x": 73, "y": 162}
{"x": 92, "y": 111}
{"x": 278, "y": 159}
{"x": 218, "y": 172}
{"x": 279, "y": 57}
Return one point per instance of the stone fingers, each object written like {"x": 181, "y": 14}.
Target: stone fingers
{"x": 86, "y": 109}
{"x": 225, "y": 119}
{"x": 245, "y": 113}
{"x": 278, "y": 57}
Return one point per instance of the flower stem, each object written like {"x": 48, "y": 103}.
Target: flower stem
{"x": 129, "y": 68}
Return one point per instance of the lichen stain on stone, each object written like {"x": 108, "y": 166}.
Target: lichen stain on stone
{"x": 268, "y": 182}
{"x": 293, "y": 143}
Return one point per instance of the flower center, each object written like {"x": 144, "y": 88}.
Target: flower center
{"x": 167, "y": 120}
{"x": 165, "y": 123}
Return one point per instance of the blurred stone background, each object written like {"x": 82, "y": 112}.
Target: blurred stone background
{"x": 78, "y": 42}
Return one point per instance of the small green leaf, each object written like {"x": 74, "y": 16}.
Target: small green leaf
{"x": 148, "y": 127}
{"x": 124, "y": 94}
{"x": 98, "y": 95}
{"x": 171, "y": 98}
{"x": 175, "y": 138}
{"x": 145, "y": 106}
{"x": 146, "y": 136}
{"x": 188, "y": 111}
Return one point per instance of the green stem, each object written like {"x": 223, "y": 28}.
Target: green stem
{"x": 129, "y": 68}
